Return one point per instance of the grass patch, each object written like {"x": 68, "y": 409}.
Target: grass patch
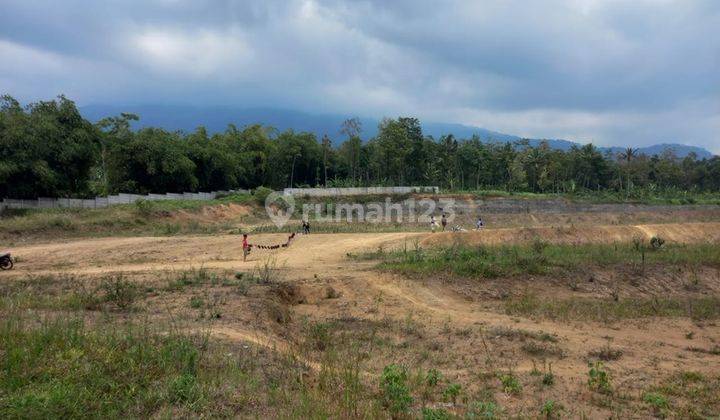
{"x": 148, "y": 217}
{"x": 63, "y": 368}
{"x": 537, "y": 258}
{"x": 685, "y": 395}
{"x": 605, "y": 310}
{"x": 637, "y": 196}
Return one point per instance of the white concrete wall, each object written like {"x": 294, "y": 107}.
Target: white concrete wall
{"x": 98, "y": 202}
{"x": 338, "y": 192}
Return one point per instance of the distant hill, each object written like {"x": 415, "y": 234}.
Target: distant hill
{"x": 216, "y": 119}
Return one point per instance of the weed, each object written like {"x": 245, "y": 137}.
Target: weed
{"x": 268, "y": 272}
{"x": 196, "y": 302}
{"x": 145, "y": 208}
{"x": 657, "y": 401}
{"x": 320, "y": 335}
{"x": 451, "y": 392}
{"x": 657, "y": 242}
{"x": 119, "y": 291}
{"x": 395, "y": 392}
{"x": 435, "y": 414}
{"x": 599, "y": 379}
{"x": 551, "y": 409}
{"x": 694, "y": 395}
{"x": 483, "y": 411}
{"x": 511, "y": 333}
{"x": 606, "y": 353}
{"x": 548, "y": 379}
{"x": 510, "y": 384}
{"x": 587, "y": 309}
{"x": 542, "y": 349}
{"x": 537, "y": 257}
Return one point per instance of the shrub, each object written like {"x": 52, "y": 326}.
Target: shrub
{"x": 548, "y": 379}
{"x": 657, "y": 242}
{"x": 435, "y": 414}
{"x": 452, "y": 392}
{"x": 395, "y": 393}
{"x": 320, "y": 335}
{"x": 656, "y": 400}
{"x": 606, "y": 353}
{"x": 599, "y": 379}
{"x": 145, "y": 208}
{"x": 510, "y": 384}
{"x": 119, "y": 291}
{"x": 483, "y": 410}
{"x": 550, "y": 409}
{"x": 260, "y": 194}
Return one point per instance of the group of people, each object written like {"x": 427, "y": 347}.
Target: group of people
{"x": 444, "y": 221}
{"x": 247, "y": 246}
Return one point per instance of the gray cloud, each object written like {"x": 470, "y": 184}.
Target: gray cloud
{"x": 615, "y": 72}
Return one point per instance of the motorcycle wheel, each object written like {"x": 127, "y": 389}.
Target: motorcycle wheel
{"x": 6, "y": 264}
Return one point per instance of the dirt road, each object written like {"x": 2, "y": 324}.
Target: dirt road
{"x": 317, "y": 253}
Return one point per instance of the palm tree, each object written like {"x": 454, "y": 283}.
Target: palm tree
{"x": 628, "y": 155}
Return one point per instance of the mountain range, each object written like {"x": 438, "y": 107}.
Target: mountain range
{"x": 216, "y": 119}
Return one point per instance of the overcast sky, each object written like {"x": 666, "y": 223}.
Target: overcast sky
{"x": 614, "y": 72}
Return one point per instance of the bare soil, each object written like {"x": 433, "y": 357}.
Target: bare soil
{"x": 458, "y": 328}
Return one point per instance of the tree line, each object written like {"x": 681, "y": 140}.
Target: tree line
{"x": 48, "y": 149}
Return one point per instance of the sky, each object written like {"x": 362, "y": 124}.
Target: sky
{"x": 614, "y": 72}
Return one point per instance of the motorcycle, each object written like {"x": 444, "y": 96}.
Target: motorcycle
{"x": 6, "y": 261}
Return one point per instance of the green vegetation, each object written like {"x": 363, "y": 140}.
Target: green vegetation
{"x": 49, "y": 149}
{"x": 510, "y": 384}
{"x": 599, "y": 379}
{"x": 146, "y": 217}
{"x": 395, "y": 392}
{"x": 551, "y": 409}
{"x": 606, "y": 310}
{"x": 537, "y": 258}
{"x": 64, "y": 368}
{"x": 685, "y": 395}
{"x": 638, "y": 195}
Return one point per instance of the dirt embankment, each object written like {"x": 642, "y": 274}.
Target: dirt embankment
{"x": 673, "y": 232}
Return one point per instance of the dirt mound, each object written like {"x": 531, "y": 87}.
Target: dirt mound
{"x": 673, "y": 232}
{"x": 213, "y": 213}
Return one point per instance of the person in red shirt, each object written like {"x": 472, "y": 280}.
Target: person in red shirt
{"x": 246, "y": 246}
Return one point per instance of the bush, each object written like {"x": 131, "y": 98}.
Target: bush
{"x": 260, "y": 194}
{"x": 550, "y": 409}
{"x": 658, "y": 401}
{"x": 395, "y": 393}
{"x": 119, "y": 291}
{"x": 452, "y": 392}
{"x": 145, "y": 208}
{"x": 657, "y": 242}
{"x": 435, "y": 414}
{"x": 483, "y": 410}
{"x": 599, "y": 379}
{"x": 510, "y": 384}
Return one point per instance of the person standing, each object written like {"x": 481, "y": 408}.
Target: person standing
{"x": 433, "y": 223}
{"x": 443, "y": 221}
{"x": 479, "y": 224}
{"x": 245, "y": 246}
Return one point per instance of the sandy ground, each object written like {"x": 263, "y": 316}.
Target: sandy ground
{"x": 651, "y": 348}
